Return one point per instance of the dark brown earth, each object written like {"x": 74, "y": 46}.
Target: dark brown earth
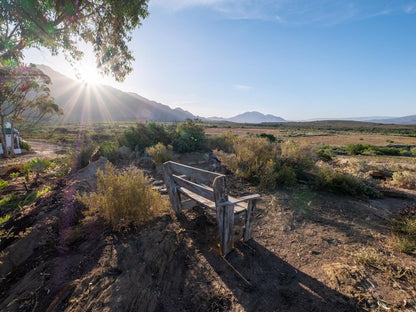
{"x": 301, "y": 258}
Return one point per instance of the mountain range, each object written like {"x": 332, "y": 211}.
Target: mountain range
{"x": 84, "y": 102}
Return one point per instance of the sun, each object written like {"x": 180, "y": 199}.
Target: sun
{"x": 88, "y": 73}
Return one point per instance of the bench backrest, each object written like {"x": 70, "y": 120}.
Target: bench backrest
{"x": 204, "y": 183}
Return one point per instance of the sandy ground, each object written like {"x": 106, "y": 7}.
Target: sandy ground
{"x": 39, "y": 149}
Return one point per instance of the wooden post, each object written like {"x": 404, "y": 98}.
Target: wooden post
{"x": 225, "y": 215}
{"x": 172, "y": 191}
{"x": 249, "y": 218}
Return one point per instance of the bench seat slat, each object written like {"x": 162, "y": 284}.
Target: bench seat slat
{"x": 197, "y": 198}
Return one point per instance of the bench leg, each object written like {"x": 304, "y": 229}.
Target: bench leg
{"x": 174, "y": 197}
{"x": 225, "y": 219}
{"x": 249, "y": 218}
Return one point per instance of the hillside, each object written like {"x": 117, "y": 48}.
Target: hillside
{"x": 249, "y": 117}
{"x": 81, "y": 101}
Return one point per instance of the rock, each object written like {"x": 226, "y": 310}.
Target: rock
{"x": 380, "y": 174}
{"x": 124, "y": 152}
{"x": 86, "y": 178}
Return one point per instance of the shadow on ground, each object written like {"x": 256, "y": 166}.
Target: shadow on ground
{"x": 257, "y": 277}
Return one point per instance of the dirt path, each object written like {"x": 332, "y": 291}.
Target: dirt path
{"x": 39, "y": 149}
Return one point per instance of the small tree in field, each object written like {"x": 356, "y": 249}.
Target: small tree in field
{"x": 24, "y": 91}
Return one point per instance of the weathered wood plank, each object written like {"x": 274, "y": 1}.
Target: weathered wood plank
{"x": 190, "y": 203}
{"x": 199, "y": 189}
{"x": 243, "y": 199}
{"x": 227, "y": 241}
{"x": 249, "y": 218}
{"x": 203, "y": 176}
{"x": 199, "y": 199}
{"x": 175, "y": 200}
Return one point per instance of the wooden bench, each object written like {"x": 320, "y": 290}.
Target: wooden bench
{"x": 189, "y": 187}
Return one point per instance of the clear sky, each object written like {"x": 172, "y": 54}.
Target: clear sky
{"x": 297, "y": 59}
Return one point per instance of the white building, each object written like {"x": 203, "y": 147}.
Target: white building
{"x": 17, "y": 149}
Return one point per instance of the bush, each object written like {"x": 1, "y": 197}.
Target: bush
{"x": 331, "y": 180}
{"x": 405, "y": 179}
{"x": 223, "y": 142}
{"x": 189, "y": 137}
{"x": 143, "y": 136}
{"x": 405, "y": 234}
{"x": 38, "y": 166}
{"x": 24, "y": 145}
{"x": 123, "y": 199}
{"x": 160, "y": 153}
{"x": 109, "y": 149}
{"x": 250, "y": 157}
{"x": 268, "y": 136}
{"x": 356, "y": 149}
{"x": 298, "y": 157}
{"x": 324, "y": 153}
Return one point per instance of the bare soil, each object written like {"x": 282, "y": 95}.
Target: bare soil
{"x": 40, "y": 149}
{"x": 301, "y": 258}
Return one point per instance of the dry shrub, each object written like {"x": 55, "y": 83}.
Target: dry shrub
{"x": 343, "y": 183}
{"x": 267, "y": 163}
{"x": 223, "y": 142}
{"x": 123, "y": 199}
{"x": 160, "y": 153}
{"x": 405, "y": 179}
{"x": 298, "y": 157}
{"x": 251, "y": 157}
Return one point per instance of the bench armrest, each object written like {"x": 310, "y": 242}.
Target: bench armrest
{"x": 235, "y": 201}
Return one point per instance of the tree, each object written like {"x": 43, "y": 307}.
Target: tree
{"x": 59, "y": 25}
{"x": 24, "y": 92}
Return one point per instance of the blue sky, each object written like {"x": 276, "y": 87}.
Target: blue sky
{"x": 296, "y": 59}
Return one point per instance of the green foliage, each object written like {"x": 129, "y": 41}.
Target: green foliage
{"x": 146, "y": 135}
{"x": 62, "y": 166}
{"x": 223, "y": 142}
{"x": 298, "y": 157}
{"x": 14, "y": 175}
{"x": 359, "y": 149}
{"x": 3, "y": 184}
{"x": 9, "y": 202}
{"x": 160, "y": 153}
{"x": 109, "y": 149}
{"x": 5, "y": 218}
{"x": 269, "y": 136}
{"x": 43, "y": 191}
{"x": 405, "y": 179}
{"x": 330, "y": 180}
{"x": 324, "y": 153}
{"x": 60, "y": 25}
{"x": 189, "y": 137}
{"x": 266, "y": 163}
{"x": 123, "y": 199}
{"x": 25, "y": 145}
{"x": 38, "y": 166}
{"x": 356, "y": 149}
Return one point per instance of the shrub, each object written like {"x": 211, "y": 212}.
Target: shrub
{"x": 25, "y": 145}
{"x": 324, "y": 153}
{"x": 15, "y": 168}
{"x": 413, "y": 151}
{"x": 160, "y": 153}
{"x": 189, "y": 137}
{"x": 331, "y": 180}
{"x": 268, "y": 136}
{"x": 123, "y": 199}
{"x": 38, "y": 166}
{"x": 356, "y": 149}
{"x": 144, "y": 136}
{"x": 223, "y": 142}
{"x": 298, "y": 157}
{"x": 250, "y": 157}
{"x": 109, "y": 149}
{"x": 405, "y": 179}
